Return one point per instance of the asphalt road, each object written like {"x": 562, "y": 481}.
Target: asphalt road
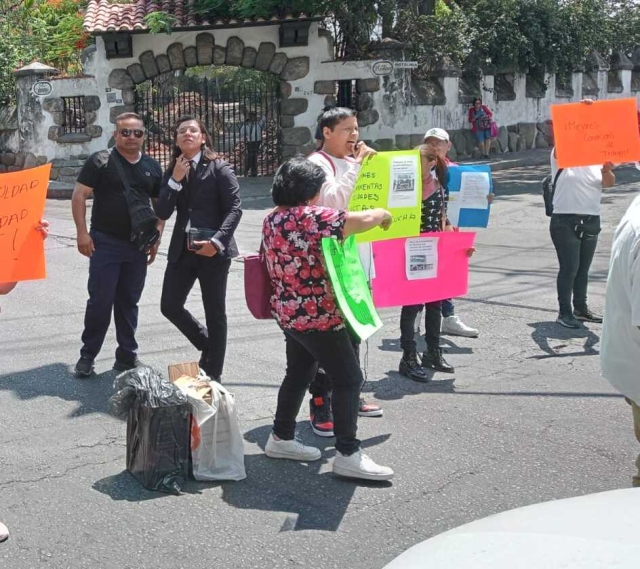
{"x": 526, "y": 419}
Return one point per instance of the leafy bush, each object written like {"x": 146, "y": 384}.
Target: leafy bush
{"x": 47, "y": 30}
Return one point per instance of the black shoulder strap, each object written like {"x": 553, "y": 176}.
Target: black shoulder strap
{"x": 123, "y": 177}
{"x": 555, "y": 178}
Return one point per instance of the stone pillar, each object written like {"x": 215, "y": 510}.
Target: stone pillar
{"x": 594, "y": 81}
{"x": 635, "y": 73}
{"x": 30, "y": 113}
{"x": 576, "y": 82}
{"x": 622, "y": 67}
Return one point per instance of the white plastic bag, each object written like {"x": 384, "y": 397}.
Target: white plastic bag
{"x": 217, "y": 448}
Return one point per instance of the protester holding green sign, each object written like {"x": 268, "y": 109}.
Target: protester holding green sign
{"x": 351, "y": 286}
{"x": 305, "y": 307}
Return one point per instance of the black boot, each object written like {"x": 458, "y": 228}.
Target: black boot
{"x": 410, "y": 367}
{"x": 433, "y": 359}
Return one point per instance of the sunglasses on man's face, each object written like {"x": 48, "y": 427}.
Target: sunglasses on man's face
{"x": 127, "y": 132}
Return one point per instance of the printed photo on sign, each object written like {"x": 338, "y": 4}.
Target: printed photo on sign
{"x": 403, "y": 185}
{"x": 421, "y": 258}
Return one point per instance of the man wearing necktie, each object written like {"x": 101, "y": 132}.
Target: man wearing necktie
{"x": 251, "y": 132}
{"x": 204, "y": 191}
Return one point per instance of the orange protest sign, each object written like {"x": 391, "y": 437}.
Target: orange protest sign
{"x": 605, "y": 131}
{"x": 22, "y": 200}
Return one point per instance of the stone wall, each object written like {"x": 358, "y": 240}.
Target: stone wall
{"x": 16, "y": 161}
{"x": 394, "y": 110}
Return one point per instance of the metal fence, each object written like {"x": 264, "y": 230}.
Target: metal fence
{"x": 243, "y": 120}
{"x": 74, "y": 114}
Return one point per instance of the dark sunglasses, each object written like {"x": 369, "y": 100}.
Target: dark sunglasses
{"x": 127, "y": 132}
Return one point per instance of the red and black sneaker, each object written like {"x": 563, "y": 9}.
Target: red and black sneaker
{"x": 369, "y": 409}
{"x": 320, "y": 416}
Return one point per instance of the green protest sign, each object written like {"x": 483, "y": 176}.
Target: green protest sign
{"x": 350, "y": 286}
{"x": 393, "y": 181}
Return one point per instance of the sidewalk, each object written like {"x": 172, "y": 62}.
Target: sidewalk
{"x": 260, "y": 187}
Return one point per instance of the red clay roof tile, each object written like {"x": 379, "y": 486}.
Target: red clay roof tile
{"x": 103, "y": 16}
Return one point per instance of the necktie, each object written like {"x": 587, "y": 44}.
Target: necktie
{"x": 191, "y": 170}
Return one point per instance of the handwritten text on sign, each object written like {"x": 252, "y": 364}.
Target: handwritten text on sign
{"x": 22, "y": 200}
{"x": 350, "y": 286}
{"x": 605, "y": 131}
{"x": 390, "y": 180}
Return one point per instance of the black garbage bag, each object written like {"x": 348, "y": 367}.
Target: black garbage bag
{"x": 144, "y": 386}
{"x": 158, "y": 428}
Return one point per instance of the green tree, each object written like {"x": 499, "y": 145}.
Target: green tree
{"x": 47, "y": 30}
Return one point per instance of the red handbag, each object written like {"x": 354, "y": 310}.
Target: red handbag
{"x": 257, "y": 285}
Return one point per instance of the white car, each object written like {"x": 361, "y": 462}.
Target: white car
{"x": 596, "y": 531}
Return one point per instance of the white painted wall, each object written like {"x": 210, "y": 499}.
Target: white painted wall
{"x": 404, "y": 120}
{"x": 66, "y": 87}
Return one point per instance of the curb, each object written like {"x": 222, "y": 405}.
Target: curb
{"x": 507, "y": 161}
{"x": 59, "y": 191}
{"x": 256, "y": 188}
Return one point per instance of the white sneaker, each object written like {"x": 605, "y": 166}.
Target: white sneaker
{"x": 359, "y": 465}
{"x": 291, "y": 450}
{"x": 453, "y": 326}
{"x": 4, "y": 532}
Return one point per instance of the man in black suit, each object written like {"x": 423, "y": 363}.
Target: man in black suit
{"x": 205, "y": 192}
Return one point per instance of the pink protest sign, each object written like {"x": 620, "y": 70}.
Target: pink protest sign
{"x": 415, "y": 270}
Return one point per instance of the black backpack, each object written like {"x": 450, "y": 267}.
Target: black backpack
{"x": 548, "y": 189}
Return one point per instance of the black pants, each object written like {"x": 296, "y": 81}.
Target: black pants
{"x": 334, "y": 352}
{"x": 432, "y": 323}
{"x": 117, "y": 272}
{"x": 251, "y": 160}
{"x": 321, "y": 384}
{"x": 179, "y": 279}
{"x": 575, "y": 238}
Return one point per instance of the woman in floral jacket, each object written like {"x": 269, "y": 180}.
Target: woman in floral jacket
{"x": 304, "y": 306}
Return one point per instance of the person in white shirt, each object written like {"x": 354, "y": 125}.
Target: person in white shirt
{"x": 574, "y": 228}
{"x": 251, "y": 132}
{"x": 620, "y": 344}
{"x": 340, "y": 157}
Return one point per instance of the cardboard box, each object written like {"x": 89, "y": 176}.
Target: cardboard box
{"x": 191, "y": 369}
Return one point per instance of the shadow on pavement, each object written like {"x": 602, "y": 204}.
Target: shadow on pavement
{"x": 312, "y": 499}
{"x": 56, "y": 380}
{"x": 446, "y": 343}
{"x": 543, "y": 332}
{"x": 124, "y": 486}
{"x": 396, "y": 386}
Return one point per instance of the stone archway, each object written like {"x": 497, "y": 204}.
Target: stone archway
{"x": 206, "y": 52}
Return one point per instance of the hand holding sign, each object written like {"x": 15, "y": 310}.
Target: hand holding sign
{"x": 387, "y": 220}
{"x": 22, "y": 199}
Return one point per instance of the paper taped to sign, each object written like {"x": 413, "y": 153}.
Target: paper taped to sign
{"x": 474, "y": 189}
{"x": 421, "y": 258}
{"x": 403, "y": 189}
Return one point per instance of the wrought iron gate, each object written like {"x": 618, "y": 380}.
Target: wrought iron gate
{"x": 243, "y": 119}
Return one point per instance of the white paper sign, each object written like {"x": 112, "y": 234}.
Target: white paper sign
{"x": 474, "y": 189}
{"x": 421, "y": 258}
{"x": 403, "y": 186}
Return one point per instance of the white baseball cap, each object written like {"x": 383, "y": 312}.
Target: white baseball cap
{"x": 438, "y": 133}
